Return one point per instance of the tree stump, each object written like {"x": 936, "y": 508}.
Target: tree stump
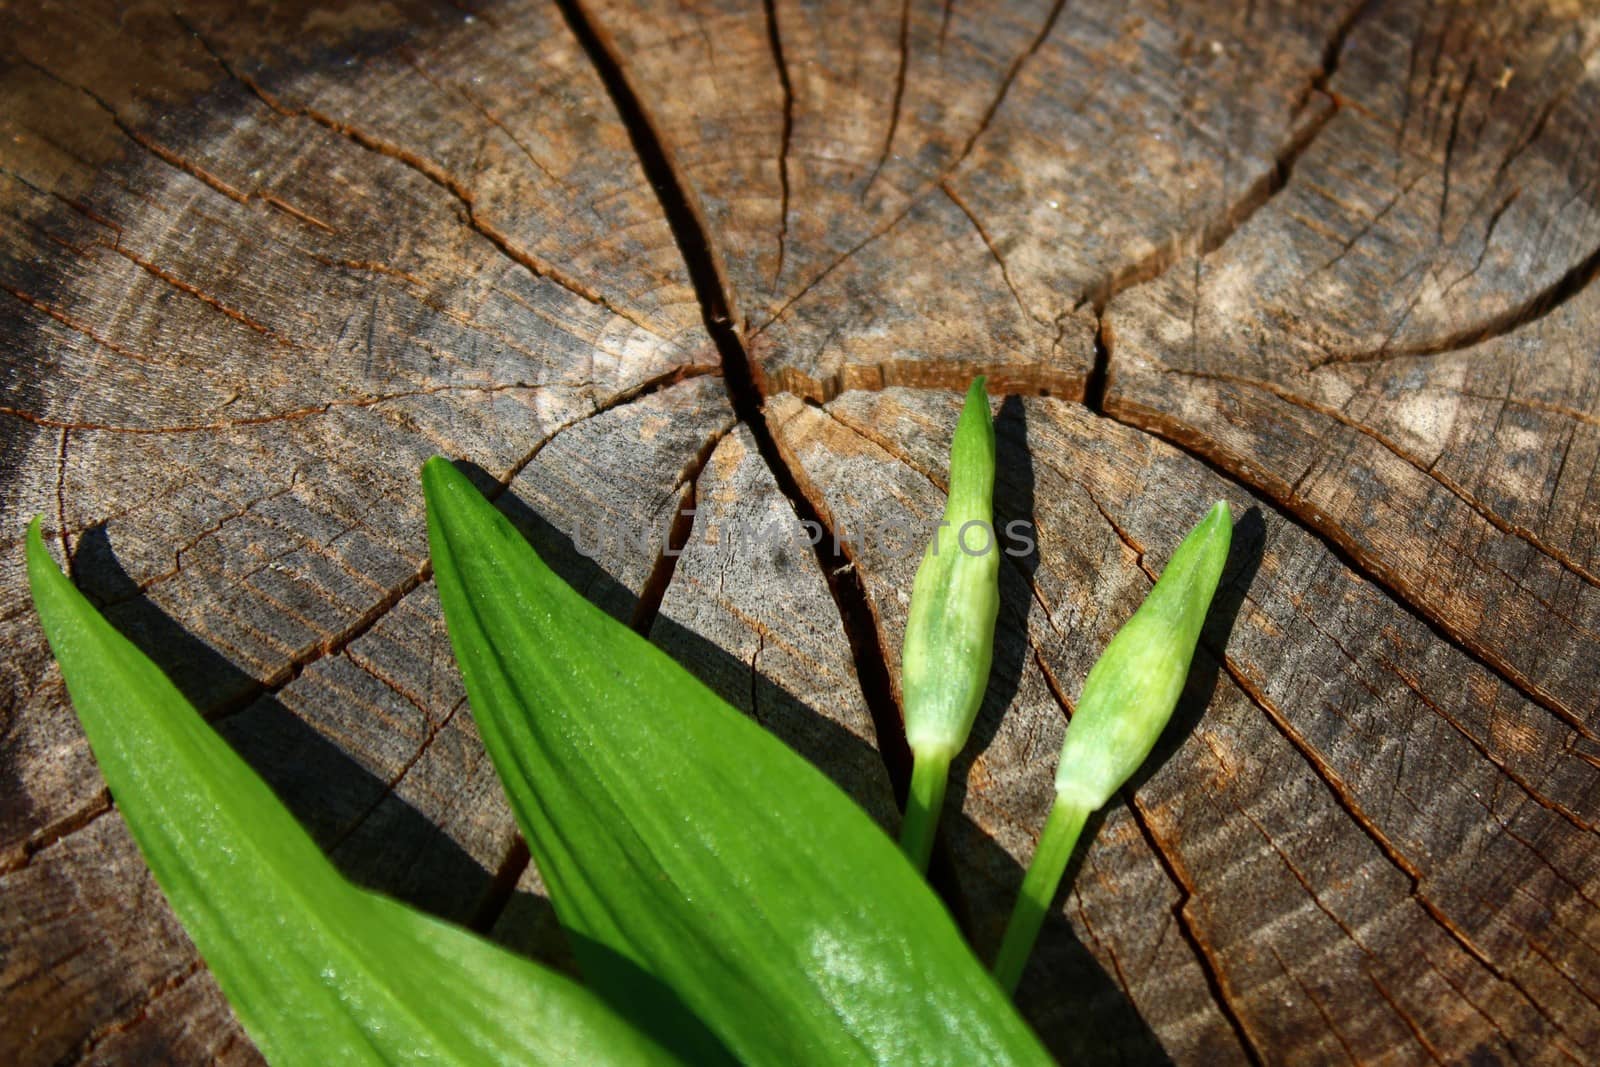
{"x": 686, "y": 267}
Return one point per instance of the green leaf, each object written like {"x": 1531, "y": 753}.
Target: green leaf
{"x": 319, "y": 971}
{"x": 686, "y": 847}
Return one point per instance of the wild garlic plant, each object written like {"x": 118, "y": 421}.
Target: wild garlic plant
{"x": 712, "y": 923}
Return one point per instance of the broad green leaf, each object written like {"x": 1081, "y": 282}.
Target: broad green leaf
{"x": 686, "y": 847}
{"x": 319, "y": 971}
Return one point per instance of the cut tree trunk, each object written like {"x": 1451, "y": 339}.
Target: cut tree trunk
{"x": 684, "y": 269}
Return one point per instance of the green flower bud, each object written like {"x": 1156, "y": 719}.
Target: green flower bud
{"x": 1127, "y": 699}
{"x": 956, "y": 596}
{"x": 1132, "y": 689}
{"x": 949, "y": 641}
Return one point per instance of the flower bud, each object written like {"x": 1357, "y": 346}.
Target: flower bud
{"x": 949, "y": 640}
{"x": 949, "y": 645}
{"x": 1132, "y": 689}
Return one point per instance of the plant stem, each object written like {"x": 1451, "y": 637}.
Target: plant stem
{"x": 1039, "y": 886}
{"x": 929, "y": 773}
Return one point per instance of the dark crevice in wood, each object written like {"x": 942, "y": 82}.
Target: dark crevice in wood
{"x": 1573, "y": 281}
{"x": 1316, "y": 1002}
{"x": 57, "y": 831}
{"x": 204, "y": 297}
{"x": 135, "y": 1011}
{"x": 389, "y": 787}
{"x": 994, "y": 251}
{"x": 683, "y": 213}
{"x": 1457, "y": 490}
{"x": 925, "y": 192}
{"x": 1352, "y": 808}
{"x": 502, "y": 887}
{"x": 1006, "y": 82}
{"x": 1094, "y": 387}
{"x": 739, "y": 373}
{"x": 654, "y": 590}
{"x": 61, "y": 502}
{"x": 76, "y": 327}
{"x": 286, "y": 675}
{"x": 1217, "y": 232}
{"x": 1333, "y": 50}
{"x": 1415, "y": 686}
{"x": 1205, "y": 955}
{"x": 775, "y": 42}
{"x": 899, "y": 96}
{"x": 1311, "y": 522}
{"x": 436, "y": 174}
{"x": 1450, "y": 145}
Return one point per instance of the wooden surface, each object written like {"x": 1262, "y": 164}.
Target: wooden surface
{"x": 677, "y": 271}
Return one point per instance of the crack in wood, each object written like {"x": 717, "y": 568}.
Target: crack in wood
{"x": 135, "y": 1011}
{"x": 741, "y": 377}
{"x": 502, "y": 886}
{"x": 1538, "y": 305}
{"x": 1006, "y": 82}
{"x": 56, "y": 832}
{"x": 440, "y": 177}
{"x": 394, "y": 780}
{"x": 775, "y": 43}
{"x": 988, "y": 242}
{"x": 76, "y": 327}
{"x": 177, "y": 161}
{"x": 930, "y": 188}
{"x": 61, "y": 501}
{"x": 654, "y": 589}
{"x": 1205, "y": 954}
{"x": 1457, "y": 490}
{"x": 1322, "y": 1009}
{"x": 338, "y": 642}
{"x": 898, "y": 99}
{"x": 73, "y": 203}
{"x": 201, "y": 295}
{"x": 1311, "y": 521}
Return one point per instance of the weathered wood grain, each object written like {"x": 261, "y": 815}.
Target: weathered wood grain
{"x": 749, "y": 613}
{"x": 1332, "y": 264}
{"x": 1400, "y": 346}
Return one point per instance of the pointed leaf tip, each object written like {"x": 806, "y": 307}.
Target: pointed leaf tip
{"x": 707, "y": 870}
{"x": 318, "y": 970}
